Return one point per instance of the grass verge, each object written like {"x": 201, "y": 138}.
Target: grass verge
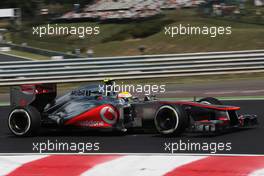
{"x": 125, "y": 39}
{"x": 28, "y": 55}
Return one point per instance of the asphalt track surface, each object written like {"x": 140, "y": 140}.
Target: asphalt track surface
{"x": 7, "y": 58}
{"x": 247, "y": 141}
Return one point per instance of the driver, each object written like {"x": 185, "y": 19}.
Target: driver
{"x": 126, "y": 96}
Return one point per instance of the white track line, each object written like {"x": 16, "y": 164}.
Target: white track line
{"x": 259, "y": 172}
{"x": 10, "y": 163}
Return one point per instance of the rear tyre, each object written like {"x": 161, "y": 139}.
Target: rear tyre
{"x": 171, "y": 120}
{"x": 24, "y": 121}
{"x": 210, "y": 100}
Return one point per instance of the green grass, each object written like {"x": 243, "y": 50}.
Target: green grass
{"x": 28, "y": 55}
{"x": 125, "y": 39}
{"x": 4, "y": 23}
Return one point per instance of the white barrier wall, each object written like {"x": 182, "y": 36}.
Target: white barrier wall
{"x": 7, "y": 13}
{"x": 259, "y": 2}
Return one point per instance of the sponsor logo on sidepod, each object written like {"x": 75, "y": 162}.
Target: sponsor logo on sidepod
{"x": 109, "y": 115}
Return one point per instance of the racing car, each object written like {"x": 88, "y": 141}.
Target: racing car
{"x": 36, "y": 106}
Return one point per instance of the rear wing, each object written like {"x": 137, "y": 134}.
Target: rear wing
{"x": 37, "y": 95}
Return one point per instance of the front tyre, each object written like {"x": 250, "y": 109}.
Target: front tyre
{"x": 171, "y": 120}
{"x": 24, "y": 121}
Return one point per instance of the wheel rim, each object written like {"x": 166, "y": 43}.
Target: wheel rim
{"x": 166, "y": 120}
{"x": 19, "y": 122}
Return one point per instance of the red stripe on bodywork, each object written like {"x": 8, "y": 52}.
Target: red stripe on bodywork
{"x": 82, "y": 116}
{"x": 91, "y": 115}
{"x": 215, "y": 107}
{"x": 68, "y": 165}
{"x": 220, "y": 166}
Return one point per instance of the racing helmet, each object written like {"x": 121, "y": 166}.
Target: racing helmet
{"x": 124, "y": 95}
